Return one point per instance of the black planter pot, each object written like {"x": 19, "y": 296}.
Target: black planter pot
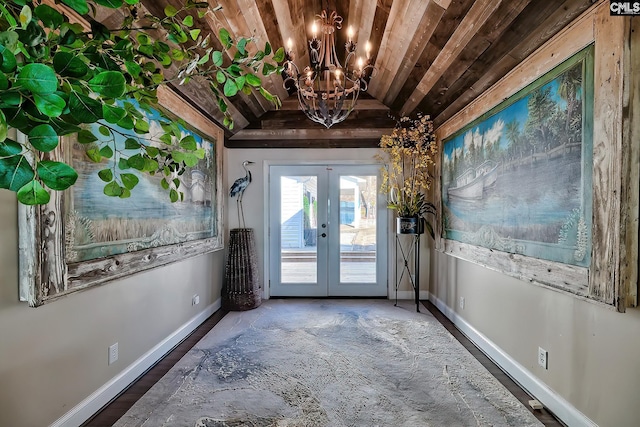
{"x": 409, "y": 225}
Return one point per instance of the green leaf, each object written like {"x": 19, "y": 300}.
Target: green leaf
{"x": 142, "y": 126}
{"x": 112, "y": 189}
{"x": 33, "y": 193}
{"x": 122, "y": 164}
{"x": 94, "y": 155}
{"x": 220, "y": 77}
{"x": 188, "y": 21}
{"x": 4, "y": 82}
{"x": 106, "y": 175}
{"x": 240, "y": 81}
{"x": 190, "y": 159}
{"x": 129, "y": 180}
{"x": 3, "y": 127}
{"x": 43, "y": 138}
{"x": 126, "y": 123}
{"x": 177, "y": 54}
{"x": 69, "y": 65}
{"x": 136, "y": 162}
{"x": 84, "y": 109}
{"x": 279, "y": 55}
{"x": 173, "y": 195}
{"x": 268, "y": 69}
{"x": 189, "y": 143}
{"x": 10, "y": 148}
{"x": 217, "y": 58}
{"x": 230, "y": 88}
{"x": 225, "y": 38}
{"x": 111, "y": 4}
{"x": 152, "y": 151}
{"x": 38, "y": 78}
{"x": 86, "y": 137}
{"x": 56, "y": 175}
{"x": 112, "y": 113}
{"x": 8, "y": 61}
{"x": 253, "y": 80}
{"x": 109, "y": 83}
{"x": 106, "y": 151}
{"x": 15, "y": 172}
{"x": 267, "y": 48}
{"x": 131, "y": 144}
{"x": 126, "y": 193}
{"x": 241, "y": 46}
{"x": 133, "y": 68}
{"x": 176, "y": 182}
{"x": 49, "y": 16}
{"x": 164, "y": 184}
{"x": 79, "y": 6}
{"x": 234, "y": 70}
{"x": 195, "y": 33}
{"x": 50, "y": 104}
{"x": 170, "y": 11}
{"x": 104, "y": 131}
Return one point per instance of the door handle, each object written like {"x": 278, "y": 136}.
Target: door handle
{"x": 323, "y": 235}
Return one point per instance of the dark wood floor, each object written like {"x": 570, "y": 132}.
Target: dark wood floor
{"x": 121, "y": 404}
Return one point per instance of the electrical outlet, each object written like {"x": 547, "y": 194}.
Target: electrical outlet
{"x": 195, "y": 300}
{"x": 461, "y": 303}
{"x": 113, "y": 353}
{"x": 542, "y": 357}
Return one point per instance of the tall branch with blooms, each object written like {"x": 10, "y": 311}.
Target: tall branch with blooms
{"x": 409, "y": 151}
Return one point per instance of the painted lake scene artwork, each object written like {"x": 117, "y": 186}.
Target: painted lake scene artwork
{"x": 518, "y": 179}
{"x": 98, "y": 226}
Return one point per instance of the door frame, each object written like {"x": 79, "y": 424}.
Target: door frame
{"x": 385, "y": 252}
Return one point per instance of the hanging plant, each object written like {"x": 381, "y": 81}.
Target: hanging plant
{"x": 59, "y": 77}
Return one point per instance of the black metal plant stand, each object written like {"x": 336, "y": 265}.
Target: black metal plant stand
{"x": 408, "y": 246}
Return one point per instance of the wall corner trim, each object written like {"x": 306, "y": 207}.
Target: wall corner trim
{"x": 560, "y": 407}
{"x": 99, "y": 398}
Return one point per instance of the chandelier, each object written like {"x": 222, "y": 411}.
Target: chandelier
{"x": 327, "y": 91}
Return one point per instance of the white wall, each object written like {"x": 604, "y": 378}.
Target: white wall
{"x": 54, "y": 356}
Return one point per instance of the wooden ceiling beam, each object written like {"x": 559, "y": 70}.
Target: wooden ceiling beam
{"x": 403, "y": 22}
{"x": 446, "y": 27}
{"x": 472, "y": 22}
{"x": 518, "y": 42}
{"x": 491, "y": 34}
{"x": 315, "y": 133}
{"x": 428, "y": 24}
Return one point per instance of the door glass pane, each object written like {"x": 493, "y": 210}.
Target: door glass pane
{"x": 298, "y": 225}
{"x": 358, "y": 229}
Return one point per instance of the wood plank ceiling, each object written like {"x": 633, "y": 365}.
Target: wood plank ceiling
{"x": 429, "y": 56}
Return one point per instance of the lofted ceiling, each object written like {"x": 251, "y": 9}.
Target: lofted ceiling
{"x": 429, "y": 56}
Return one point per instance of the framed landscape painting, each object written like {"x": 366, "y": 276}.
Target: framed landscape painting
{"x": 84, "y": 238}
{"x": 518, "y": 179}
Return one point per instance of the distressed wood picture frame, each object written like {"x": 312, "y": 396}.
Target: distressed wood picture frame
{"x": 60, "y": 250}
{"x": 611, "y": 274}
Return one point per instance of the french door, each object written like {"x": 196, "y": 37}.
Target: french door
{"x": 327, "y": 231}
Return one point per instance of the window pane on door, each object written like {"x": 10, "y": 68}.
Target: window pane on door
{"x": 298, "y": 230}
{"x": 358, "y": 228}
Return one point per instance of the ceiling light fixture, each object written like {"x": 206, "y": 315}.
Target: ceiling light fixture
{"x": 327, "y": 91}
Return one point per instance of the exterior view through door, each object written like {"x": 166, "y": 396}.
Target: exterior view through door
{"x": 327, "y": 231}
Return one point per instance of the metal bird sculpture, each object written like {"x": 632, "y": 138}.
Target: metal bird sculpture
{"x": 237, "y": 189}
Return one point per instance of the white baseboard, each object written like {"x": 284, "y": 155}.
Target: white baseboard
{"x": 99, "y": 398}
{"x": 408, "y": 295}
{"x": 555, "y": 403}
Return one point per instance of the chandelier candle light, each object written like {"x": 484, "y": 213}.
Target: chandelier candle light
{"x": 327, "y": 91}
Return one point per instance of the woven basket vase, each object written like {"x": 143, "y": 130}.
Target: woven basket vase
{"x": 242, "y": 289}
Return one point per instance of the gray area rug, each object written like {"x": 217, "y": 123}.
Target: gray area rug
{"x": 328, "y": 363}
